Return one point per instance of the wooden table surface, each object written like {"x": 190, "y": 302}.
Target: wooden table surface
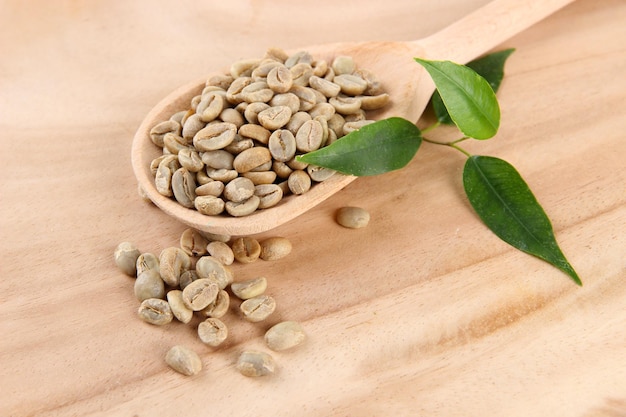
{"x": 423, "y": 313}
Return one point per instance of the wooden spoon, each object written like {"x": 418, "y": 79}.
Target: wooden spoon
{"x": 408, "y": 84}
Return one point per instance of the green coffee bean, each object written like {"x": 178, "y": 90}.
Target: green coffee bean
{"x": 275, "y": 248}
{"x": 210, "y": 106}
{"x": 184, "y": 187}
{"x": 286, "y": 99}
{"x": 352, "y": 126}
{"x": 284, "y": 335}
{"x": 172, "y": 263}
{"x": 219, "y": 307}
{"x": 260, "y": 177}
{"x": 262, "y": 71}
{"x": 187, "y": 278}
{"x": 190, "y": 160}
{"x": 212, "y": 331}
{"x": 324, "y": 110}
{"x": 209, "y": 205}
{"x": 218, "y": 159}
{"x": 221, "y": 252}
{"x": 213, "y": 188}
{"x": 163, "y": 177}
{"x": 319, "y": 174}
{"x": 251, "y": 158}
{"x": 345, "y": 105}
{"x": 125, "y": 256}
{"x": 326, "y": 87}
{"x": 269, "y": 195}
{"x": 301, "y": 73}
{"x": 147, "y": 261}
{"x": 215, "y": 136}
{"x": 299, "y": 182}
{"x": 374, "y": 102}
{"x": 155, "y": 311}
{"x": 307, "y": 97}
{"x": 202, "y": 177}
{"x": 297, "y": 165}
{"x": 239, "y": 190}
{"x": 246, "y": 249}
{"x": 257, "y": 91}
{"x": 353, "y": 217}
{"x": 281, "y": 169}
{"x": 296, "y": 121}
{"x": 256, "y": 132}
{"x": 251, "y": 113}
{"x": 183, "y": 360}
{"x": 258, "y": 308}
{"x": 243, "y": 208}
{"x": 254, "y": 363}
{"x": 191, "y": 126}
{"x": 200, "y": 293}
{"x": 160, "y": 130}
{"x": 223, "y": 175}
{"x": 351, "y": 84}
{"x": 182, "y": 313}
{"x": 320, "y": 67}
{"x": 250, "y": 288}
{"x": 309, "y": 136}
{"x": 275, "y": 117}
{"x": 233, "y": 93}
{"x": 343, "y": 65}
{"x": 282, "y": 145}
{"x": 149, "y": 285}
{"x": 280, "y": 79}
{"x": 174, "y": 143}
{"x": 212, "y": 268}
{"x": 230, "y": 115}
{"x": 300, "y": 57}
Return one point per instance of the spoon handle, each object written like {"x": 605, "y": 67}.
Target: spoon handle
{"x": 486, "y": 28}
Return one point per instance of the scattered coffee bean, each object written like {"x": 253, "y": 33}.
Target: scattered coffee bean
{"x": 253, "y": 364}
{"x": 172, "y": 263}
{"x": 221, "y": 252}
{"x": 200, "y": 293}
{"x": 353, "y": 217}
{"x": 249, "y": 288}
{"x": 179, "y": 309}
{"x": 183, "y": 360}
{"x": 275, "y": 248}
{"x": 284, "y": 335}
{"x": 155, "y": 311}
{"x": 246, "y": 249}
{"x": 258, "y": 308}
{"x": 125, "y": 257}
{"x": 147, "y": 261}
{"x": 212, "y": 268}
{"x": 212, "y": 331}
{"x": 149, "y": 285}
{"x": 219, "y": 307}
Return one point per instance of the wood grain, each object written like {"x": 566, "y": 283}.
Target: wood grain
{"x": 424, "y": 312}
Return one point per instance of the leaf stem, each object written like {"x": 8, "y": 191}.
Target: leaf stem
{"x": 431, "y": 127}
{"x": 452, "y": 144}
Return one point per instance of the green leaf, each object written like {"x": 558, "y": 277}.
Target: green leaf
{"x": 380, "y": 147}
{"x": 490, "y": 67}
{"x": 502, "y": 199}
{"x": 469, "y": 98}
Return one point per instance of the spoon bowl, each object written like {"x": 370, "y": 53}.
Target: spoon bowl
{"x": 407, "y": 83}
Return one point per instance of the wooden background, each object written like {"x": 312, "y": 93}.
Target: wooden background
{"x": 423, "y": 313}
